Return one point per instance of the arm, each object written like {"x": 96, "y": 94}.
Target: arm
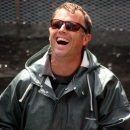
{"x": 10, "y": 108}
{"x": 114, "y": 108}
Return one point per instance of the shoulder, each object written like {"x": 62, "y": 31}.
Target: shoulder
{"x": 106, "y": 75}
{"x": 106, "y": 82}
{"x": 19, "y": 84}
{"x": 22, "y": 76}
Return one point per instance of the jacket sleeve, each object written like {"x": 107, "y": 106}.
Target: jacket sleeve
{"x": 114, "y": 107}
{"x": 10, "y": 108}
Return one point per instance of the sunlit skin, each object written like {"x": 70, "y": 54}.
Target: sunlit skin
{"x": 65, "y": 59}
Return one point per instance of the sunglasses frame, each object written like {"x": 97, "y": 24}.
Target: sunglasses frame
{"x": 64, "y": 22}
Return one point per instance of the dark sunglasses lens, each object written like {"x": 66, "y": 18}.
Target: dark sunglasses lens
{"x": 56, "y": 24}
{"x": 72, "y": 26}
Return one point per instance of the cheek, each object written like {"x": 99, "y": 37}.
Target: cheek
{"x": 78, "y": 40}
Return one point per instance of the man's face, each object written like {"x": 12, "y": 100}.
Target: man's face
{"x": 64, "y": 43}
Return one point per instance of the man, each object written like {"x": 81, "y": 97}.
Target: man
{"x": 63, "y": 87}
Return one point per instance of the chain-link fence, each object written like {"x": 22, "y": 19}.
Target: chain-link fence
{"x": 24, "y": 30}
{"x": 108, "y": 14}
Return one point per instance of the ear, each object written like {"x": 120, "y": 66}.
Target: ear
{"x": 49, "y": 29}
{"x": 87, "y": 38}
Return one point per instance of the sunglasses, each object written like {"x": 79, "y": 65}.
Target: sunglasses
{"x": 69, "y": 25}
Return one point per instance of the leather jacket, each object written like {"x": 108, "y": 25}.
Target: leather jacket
{"x": 93, "y": 100}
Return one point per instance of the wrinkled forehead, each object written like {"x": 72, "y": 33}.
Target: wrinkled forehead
{"x": 70, "y": 10}
{"x": 66, "y": 15}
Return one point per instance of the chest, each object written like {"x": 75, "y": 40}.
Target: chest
{"x": 67, "y": 112}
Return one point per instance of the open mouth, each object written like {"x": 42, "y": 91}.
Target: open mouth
{"x": 62, "y": 41}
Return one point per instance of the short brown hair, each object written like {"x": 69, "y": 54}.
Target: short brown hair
{"x": 72, "y": 7}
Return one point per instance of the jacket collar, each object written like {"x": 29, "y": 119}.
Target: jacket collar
{"x": 47, "y": 67}
{"x": 39, "y": 65}
{"x": 76, "y": 83}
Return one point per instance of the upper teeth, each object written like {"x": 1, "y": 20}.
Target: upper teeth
{"x": 62, "y": 39}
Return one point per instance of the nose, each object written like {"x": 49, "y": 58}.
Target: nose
{"x": 63, "y": 28}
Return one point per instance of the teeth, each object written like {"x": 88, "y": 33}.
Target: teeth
{"x": 62, "y": 39}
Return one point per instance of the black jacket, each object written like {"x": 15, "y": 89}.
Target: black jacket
{"x": 93, "y": 100}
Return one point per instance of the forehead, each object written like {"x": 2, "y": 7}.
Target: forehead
{"x": 63, "y": 14}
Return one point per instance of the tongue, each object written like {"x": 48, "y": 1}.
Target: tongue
{"x": 62, "y": 42}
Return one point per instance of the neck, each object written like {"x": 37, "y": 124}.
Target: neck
{"x": 65, "y": 67}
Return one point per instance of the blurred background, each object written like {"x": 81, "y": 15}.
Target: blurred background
{"x": 24, "y": 31}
